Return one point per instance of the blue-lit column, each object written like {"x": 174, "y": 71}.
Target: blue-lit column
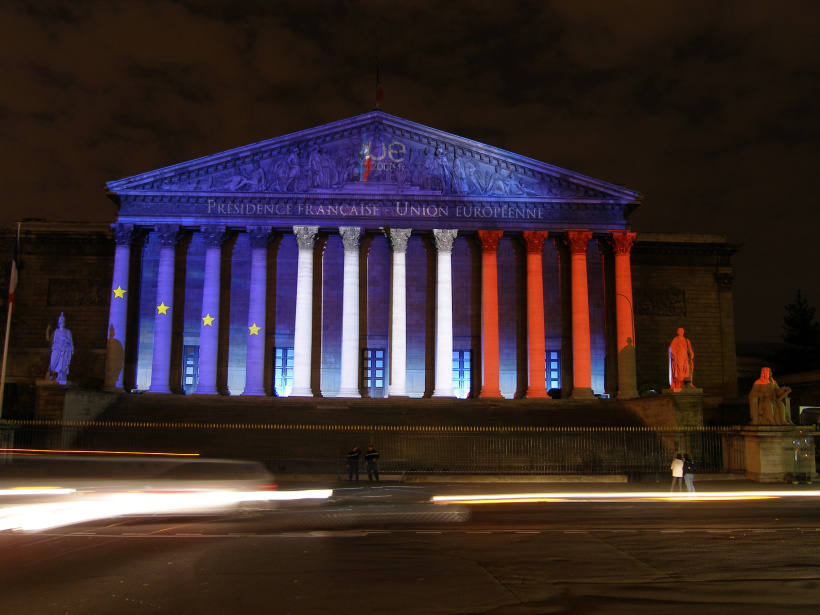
{"x": 444, "y": 312}
{"x": 168, "y": 234}
{"x": 118, "y": 311}
{"x": 209, "y": 327}
{"x": 349, "y": 384}
{"x": 260, "y": 237}
{"x": 398, "y": 326}
{"x": 303, "y": 327}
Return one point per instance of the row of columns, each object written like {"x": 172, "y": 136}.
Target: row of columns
{"x": 261, "y": 236}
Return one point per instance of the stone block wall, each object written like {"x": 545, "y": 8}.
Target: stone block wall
{"x": 684, "y": 281}
{"x": 63, "y": 268}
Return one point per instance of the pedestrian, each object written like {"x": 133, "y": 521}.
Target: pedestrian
{"x": 688, "y": 473}
{"x": 371, "y": 460}
{"x": 677, "y": 472}
{"x": 353, "y": 463}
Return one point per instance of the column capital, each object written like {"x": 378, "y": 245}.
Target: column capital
{"x": 534, "y": 241}
{"x": 621, "y": 242}
{"x": 123, "y": 233}
{"x": 168, "y": 234}
{"x": 489, "y": 240}
{"x": 215, "y": 235}
{"x": 398, "y": 238}
{"x": 578, "y": 240}
{"x": 351, "y": 237}
{"x": 444, "y": 239}
{"x": 260, "y": 236}
{"x": 305, "y": 236}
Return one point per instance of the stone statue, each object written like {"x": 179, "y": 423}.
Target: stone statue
{"x": 681, "y": 362}
{"x": 62, "y": 347}
{"x": 769, "y": 404}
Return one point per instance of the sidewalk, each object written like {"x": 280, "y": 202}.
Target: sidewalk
{"x": 545, "y": 484}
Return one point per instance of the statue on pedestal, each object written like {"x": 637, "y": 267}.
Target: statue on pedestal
{"x": 62, "y": 347}
{"x": 769, "y": 404}
{"x": 681, "y": 362}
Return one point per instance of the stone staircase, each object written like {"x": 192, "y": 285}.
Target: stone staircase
{"x": 430, "y": 412}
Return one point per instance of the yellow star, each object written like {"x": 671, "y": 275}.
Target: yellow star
{"x": 208, "y": 320}
{"x": 254, "y": 329}
{"x": 162, "y": 308}
{"x": 119, "y": 292}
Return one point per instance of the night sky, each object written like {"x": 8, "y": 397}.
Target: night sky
{"x": 710, "y": 109}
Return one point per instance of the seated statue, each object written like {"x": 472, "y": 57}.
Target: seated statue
{"x": 769, "y": 404}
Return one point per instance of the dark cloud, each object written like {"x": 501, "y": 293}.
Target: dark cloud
{"x": 709, "y": 108}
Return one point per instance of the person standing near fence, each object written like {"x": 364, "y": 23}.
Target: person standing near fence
{"x": 371, "y": 460}
{"x": 688, "y": 473}
{"x": 677, "y": 473}
{"x": 353, "y": 463}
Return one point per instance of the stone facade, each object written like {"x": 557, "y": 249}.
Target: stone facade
{"x": 563, "y": 291}
{"x": 685, "y": 281}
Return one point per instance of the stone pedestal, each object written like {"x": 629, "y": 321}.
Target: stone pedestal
{"x": 688, "y": 403}
{"x": 777, "y": 454}
{"x": 49, "y": 400}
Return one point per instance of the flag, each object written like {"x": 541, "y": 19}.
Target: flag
{"x": 13, "y": 276}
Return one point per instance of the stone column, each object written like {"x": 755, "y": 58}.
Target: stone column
{"x": 581, "y": 350}
{"x": 168, "y": 234}
{"x": 444, "y": 312}
{"x": 349, "y": 385}
{"x": 260, "y": 237}
{"x": 534, "y": 241}
{"x": 303, "y": 328}
{"x": 624, "y": 314}
{"x": 398, "y": 326}
{"x": 209, "y": 328}
{"x": 490, "y": 362}
{"x": 118, "y": 310}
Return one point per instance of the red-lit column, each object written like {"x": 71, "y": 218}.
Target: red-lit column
{"x": 581, "y": 353}
{"x": 534, "y": 241}
{"x": 490, "y": 363}
{"x": 624, "y": 315}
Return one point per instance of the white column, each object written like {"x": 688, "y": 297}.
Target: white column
{"x": 260, "y": 237}
{"x": 118, "y": 310}
{"x": 161, "y": 363}
{"x": 303, "y": 328}
{"x": 444, "y": 312}
{"x": 398, "y": 327}
{"x": 349, "y": 386}
{"x": 209, "y": 325}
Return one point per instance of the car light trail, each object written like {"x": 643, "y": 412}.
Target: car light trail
{"x": 712, "y": 496}
{"x": 83, "y": 452}
{"x": 88, "y": 508}
{"x": 36, "y": 491}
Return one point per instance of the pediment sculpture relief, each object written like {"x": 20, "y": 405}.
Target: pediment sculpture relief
{"x": 439, "y": 169}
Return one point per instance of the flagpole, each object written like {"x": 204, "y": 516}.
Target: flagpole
{"x": 8, "y": 333}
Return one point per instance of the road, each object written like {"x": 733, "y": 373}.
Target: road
{"x": 389, "y": 550}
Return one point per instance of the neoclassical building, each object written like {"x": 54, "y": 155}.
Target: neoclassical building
{"x": 377, "y": 257}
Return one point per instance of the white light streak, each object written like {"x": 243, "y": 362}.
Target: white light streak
{"x": 101, "y": 506}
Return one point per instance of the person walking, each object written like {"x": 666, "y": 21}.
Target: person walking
{"x": 677, "y": 473}
{"x": 688, "y": 473}
{"x": 371, "y": 460}
{"x": 353, "y": 463}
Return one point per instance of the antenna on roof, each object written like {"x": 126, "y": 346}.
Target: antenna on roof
{"x": 379, "y": 93}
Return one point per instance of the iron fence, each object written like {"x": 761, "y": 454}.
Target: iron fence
{"x": 311, "y": 449}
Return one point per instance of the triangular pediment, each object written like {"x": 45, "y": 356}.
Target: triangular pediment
{"x": 371, "y": 154}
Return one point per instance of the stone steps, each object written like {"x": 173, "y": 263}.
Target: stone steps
{"x": 393, "y": 411}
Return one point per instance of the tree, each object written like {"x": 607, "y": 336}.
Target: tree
{"x": 802, "y": 337}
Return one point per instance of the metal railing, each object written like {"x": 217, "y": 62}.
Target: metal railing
{"x": 310, "y": 449}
